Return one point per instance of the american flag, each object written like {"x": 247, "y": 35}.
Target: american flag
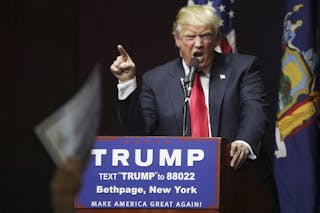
{"x": 225, "y": 9}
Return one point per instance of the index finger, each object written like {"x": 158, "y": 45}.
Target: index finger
{"x": 123, "y": 52}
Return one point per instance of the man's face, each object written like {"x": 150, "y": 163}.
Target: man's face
{"x": 198, "y": 41}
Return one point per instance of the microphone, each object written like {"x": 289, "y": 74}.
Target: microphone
{"x": 193, "y": 67}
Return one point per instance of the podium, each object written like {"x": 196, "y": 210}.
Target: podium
{"x": 239, "y": 190}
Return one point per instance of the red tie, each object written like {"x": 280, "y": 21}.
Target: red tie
{"x": 198, "y": 110}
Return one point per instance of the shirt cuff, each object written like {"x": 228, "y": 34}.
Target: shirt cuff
{"x": 126, "y": 88}
{"x": 251, "y": 155}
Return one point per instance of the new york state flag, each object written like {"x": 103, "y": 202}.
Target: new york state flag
{"x": 296, "y": 164}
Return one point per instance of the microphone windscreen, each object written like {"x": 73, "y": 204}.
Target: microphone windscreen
{"x": 194, "y": 62}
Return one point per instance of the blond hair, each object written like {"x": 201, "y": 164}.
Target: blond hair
{"x": 197, "y": 15}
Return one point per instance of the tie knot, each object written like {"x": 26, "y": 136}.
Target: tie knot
{"x": 200, "y": 73}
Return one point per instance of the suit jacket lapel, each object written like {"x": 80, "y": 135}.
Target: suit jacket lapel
{"x": 175, "y": 92}
{"x": 219, "y": 76}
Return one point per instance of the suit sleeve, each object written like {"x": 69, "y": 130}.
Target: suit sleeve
{"x": 148, "y": 104}
{"x": 138, "y": 112}
{"x": 131, "y": 116}
{"x": 254, "y": 118}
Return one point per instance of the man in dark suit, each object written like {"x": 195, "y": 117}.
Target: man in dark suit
{"x": 235, "y": 98}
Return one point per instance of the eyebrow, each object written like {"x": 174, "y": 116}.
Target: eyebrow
{"x": 196, "y": 33}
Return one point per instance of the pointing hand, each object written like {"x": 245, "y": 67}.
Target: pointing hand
{"x": 123, "y": 67}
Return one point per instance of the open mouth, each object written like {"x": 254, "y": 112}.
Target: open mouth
{"x": 198, "y": 55}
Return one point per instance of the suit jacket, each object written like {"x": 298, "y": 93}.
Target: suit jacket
{"x": 237, "y": 103}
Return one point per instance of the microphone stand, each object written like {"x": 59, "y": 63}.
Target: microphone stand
{"x": 184, "y": 84}
{"x": 187, "y": 84}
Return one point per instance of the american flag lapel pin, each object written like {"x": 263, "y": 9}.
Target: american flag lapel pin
{"x": 222, "y": 76}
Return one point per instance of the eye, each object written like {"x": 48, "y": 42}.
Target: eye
{"x": 189, "y": 37}
{"x": 206, "y": 36}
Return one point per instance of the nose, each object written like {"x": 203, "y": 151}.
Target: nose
{"x": 198, "y": 42}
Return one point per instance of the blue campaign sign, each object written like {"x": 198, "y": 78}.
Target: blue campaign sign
{"x": 152, "y": 172}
